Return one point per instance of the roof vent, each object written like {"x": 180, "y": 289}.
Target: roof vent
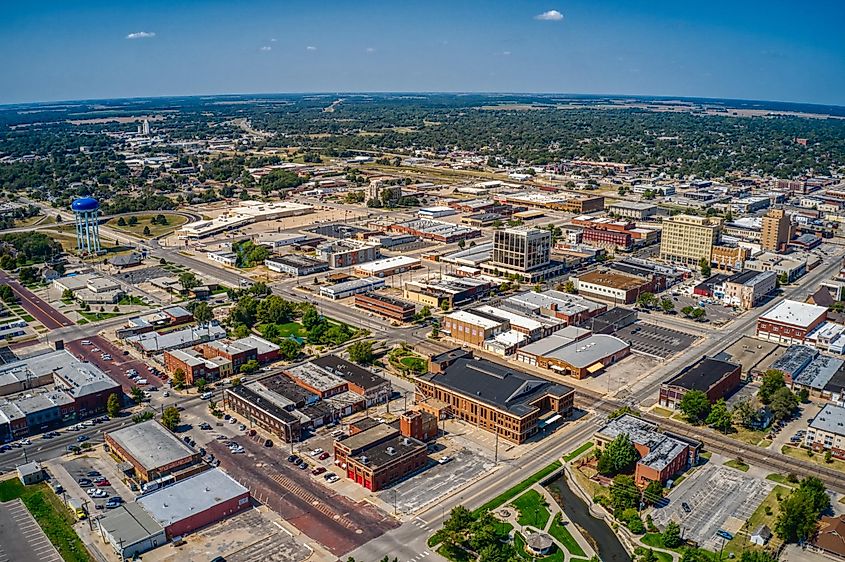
{"x": 391, "y": 451}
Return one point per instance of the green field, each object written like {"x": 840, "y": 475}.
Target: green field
{"x": 173, "y": 222}
{"x": 737, "y": 464}
{"x": 818, "y": 458}
{"x": 517, "y": 489}
{"x": 53, "y": 517}
{"x": 532, "y": 509}
{"x": 578, "y": 452}
{"x": 564, "y": 537}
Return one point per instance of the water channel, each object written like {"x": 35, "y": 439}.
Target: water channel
{"x": 596, "y": 531}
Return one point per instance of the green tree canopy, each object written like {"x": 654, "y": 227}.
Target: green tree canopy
{"x": 619, "y": 455}
{"x": 361, "y": 352}
{"x": 695, "y": 405}
{"x": 170, "y": 418}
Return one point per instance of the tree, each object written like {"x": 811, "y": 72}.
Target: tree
{"x": 695, "y": 555}
{"x": 746, "y": 414}
{"x": 202, "y": 313}
{"x": 445, "y": 306}
{"x": 27, "y": 275}
{"x": 67, "y": 295}
{"x": 704, "y": 264}
{"x": 569, "y": 287}
{"x": 133, "y": 220}
{"x": 804, "y": 395}
{"x": 799, "y": 512}
{"x": 137, "y": 394}
{"x": 147, "y": 231}
{"x": 619, "y": 455}
{"x": 719, "y": 417}
{"x": 773, "y": 380}
{"x": 624, "y": 494}
{"x": 121, "y": 222}
{"x": 178, "y": 379}
{"x": 170, "y": 418}
{"x": 619, "y": 412}
{"x": 250, "y": 367}
{"x": 666, "y": 305}
{"x": 695, "y": 406}
{"x": 687, "y": 310}
{"x": 646, "y": 300}
{"x": 783, "y": 404}
{"x": 7, "y": 294}
{"x": 310, "y": 318}
{"x": 188, "y": 280}
{"x": 671, "y": 535}
{"x": 361, "y": 352}
{"x": 200, "y": 383}
{"x": 698, "y": 314}
{"x": 648, "y": 556}
{"x": 289, "y": 349}
{"x": 653, "y": 493}
{"x": 275, "y": 310}
{"x": 113, "y": 406}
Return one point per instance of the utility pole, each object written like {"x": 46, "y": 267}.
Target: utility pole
{"x": 496, "y": 454}
{"x": 88, "y": 516}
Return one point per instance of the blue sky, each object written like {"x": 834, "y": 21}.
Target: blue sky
{"x": 770, "y": 50}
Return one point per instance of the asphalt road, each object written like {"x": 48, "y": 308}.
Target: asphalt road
{"x": 21, "y": 539}
{"x": 37, "y": 308}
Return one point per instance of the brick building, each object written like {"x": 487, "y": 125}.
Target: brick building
{"x": 151, "y": 449}
{"x": 618, "y": 287}
{"x": 717, "y": 379}
{"x": 790, "y": 322}
{"x": 493, "y": 397}
{"x": 386, "y": 307}
{"x": 380, "y": 455}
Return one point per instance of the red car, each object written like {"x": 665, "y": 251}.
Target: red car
{"x": 319, "y": 470}
{"x": 103, "y": 483}
{"x": 323, "y": 456}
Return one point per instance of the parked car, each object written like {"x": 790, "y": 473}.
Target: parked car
{"x": 316, "y": 452}
{"x": 205, "y": 426}
{"x": 103, "y": 483}
{"x": 685, "y": 506}
{"x": 293, "y": 458}
{"x": 81, "y": 438}
{"x": 114, "y": 501}
{"x": 318, "y": 471}
{"x": 444, "y": 460}
{"x": 323, "y": 456}
{"x": 206, "y": 395}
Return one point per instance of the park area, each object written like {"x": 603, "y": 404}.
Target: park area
{"x": 150, "y": 225}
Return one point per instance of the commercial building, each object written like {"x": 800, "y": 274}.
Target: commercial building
{"x": 826, "y": 431}
{"x": 151, "y": 449}
{"x": 380, "y": 455}
{"x": 195, "y": 502}
{"x": 687, "y": 239}
{"x": 662, "y": 455}
{"x": 586, "y": 357}
{"x": 776, "y": 230}
{"x": 571, "y": 309}
{"x": 560, "y": 201}
{"x": 272, "y": 404}
{"x": 790, "y": 322}
{"x": 90, "y": 288}
{"x": 296, "y": 265}
{"x": 618, "y": 287}
{"x": 346, "y": 253}
{"x": 130, "y": 530}
{"x": 473, "y": 327}
{"x": 614, "y": 234}
{"x": 523, "y": 251}
{"x": 195, "y": 366}
{"x": 50, "y": 390}
{"x": 227, "y": 258}
{"x": 374, "y": 388}
{"x": 713, "y": 377}
{"x": 747, "y": 289}
{"x": 435, "y": 230}
{"x": 790, "y": 267}
{"x": 493, "y": 397}
{"x": 151, "y": 343}
{"x": 532, "y": 326}
{"x": 446, "y": 289}
{"x": 435, "y": 212}
{"x": 164, "y": 318}
{"x": 247, "y": 212}
{"x": 351, "y": 288}
{"x": 386, "y": 307}
{"x": 632, "y": 210}
{"x": 388, "y": 266}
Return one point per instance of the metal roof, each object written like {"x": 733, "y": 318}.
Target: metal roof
{"x": 191, "y": 496}
{"x": 151, "y": 444}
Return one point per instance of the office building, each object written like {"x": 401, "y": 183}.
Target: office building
{"x": 790, "y": 322}
{"x": 632, "y": 210}
{"x": 521, "y": 248}
{"x": 151, "y": 449}
{"x": 687, "y": 239}
{"x": 386, "y": 307}
{"x": 747, "y": 289}
{"x": 345, "y": 253}
{"x": 571, "y": 309}
{"x": 617, "y": 287}
{"x": 776, "y": 230}
{"x": 295, "y": 265}
{"x": 513, "y": 404}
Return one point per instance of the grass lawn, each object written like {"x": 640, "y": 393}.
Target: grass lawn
{"x": 173, "y": 222}
{"x": 453, "y": 554}
{"x": 583, "y": 448}
{"x": 562, "y": 534}
{"x": 780, "y": 479}
{"x": 818, "y": 458}
{"x": 292, "y": 329}
{"x": 415, "y": 364}
{"x": 522, "y": 486}
{"x": 132, "y": 300}
{"x": 749, "y": 436}
{"x": 27, "y": 318}
{"x": 54, "y": 518}
{"x": 97, "y": 316}
{"x": 737, "y": 464}
{"x": 662, "y": 412}
{"x": 532, "y": 509}
{"x": 741, "y": 543}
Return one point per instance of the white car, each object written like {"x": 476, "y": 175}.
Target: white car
{"x": 166, "y": 393}
{"x": 86, "y": 342}
{"x": 316, "y": 452}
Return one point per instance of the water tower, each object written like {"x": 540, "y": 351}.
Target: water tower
{"x": 86, "y": 210}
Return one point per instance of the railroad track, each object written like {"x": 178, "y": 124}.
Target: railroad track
{"x": 722, "y": 444}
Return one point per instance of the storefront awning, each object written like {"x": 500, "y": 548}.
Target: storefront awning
{"x": 595, "y": 367}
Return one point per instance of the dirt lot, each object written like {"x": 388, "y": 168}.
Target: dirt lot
{"x": 337, "y": 522}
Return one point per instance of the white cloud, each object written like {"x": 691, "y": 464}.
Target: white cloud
{"x": 141, "y": 35}
{"x": 551, "y": 15}
{"x": 506, "y": 53}
{"x": 266, "y": 48}
{"x": 273, "y": 40}
{"x": 310, "y": 48}
{"x": 369, "y": 50}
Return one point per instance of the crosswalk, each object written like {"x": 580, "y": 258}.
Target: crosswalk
{"x": 420, "y": 524}
{"x": 419, "y": 556}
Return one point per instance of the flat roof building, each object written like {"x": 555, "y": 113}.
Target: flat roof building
{"x": 572, "y": 309}
{"x": 713, "y": 377}
{"x": 151, "y": 449}
{"x": 618, "y": 287}
{"x": 826, "y": 431}
{"x": 388, "y": 266}
{"x": 296, "y": 265}
{"x": 195, "y": 502}
{"x": 688, "y": 239}
{"x": 130, "y": 530}
{"x": 790, "y": 321}
{"x": 385, "y": 306}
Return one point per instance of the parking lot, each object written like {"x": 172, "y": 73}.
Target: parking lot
{"x": 718, "y": 498}
{"x": 136, "y": 276}
{"x": 119, "y": 363}
{"x": 656, "y": 341}
{"x": 435, "y": 482}
{"x": 21, "y": 539}
{"x": 302, "y": 499}
{"x": 715, "y": 313}
{"x": 96, "y": 476}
